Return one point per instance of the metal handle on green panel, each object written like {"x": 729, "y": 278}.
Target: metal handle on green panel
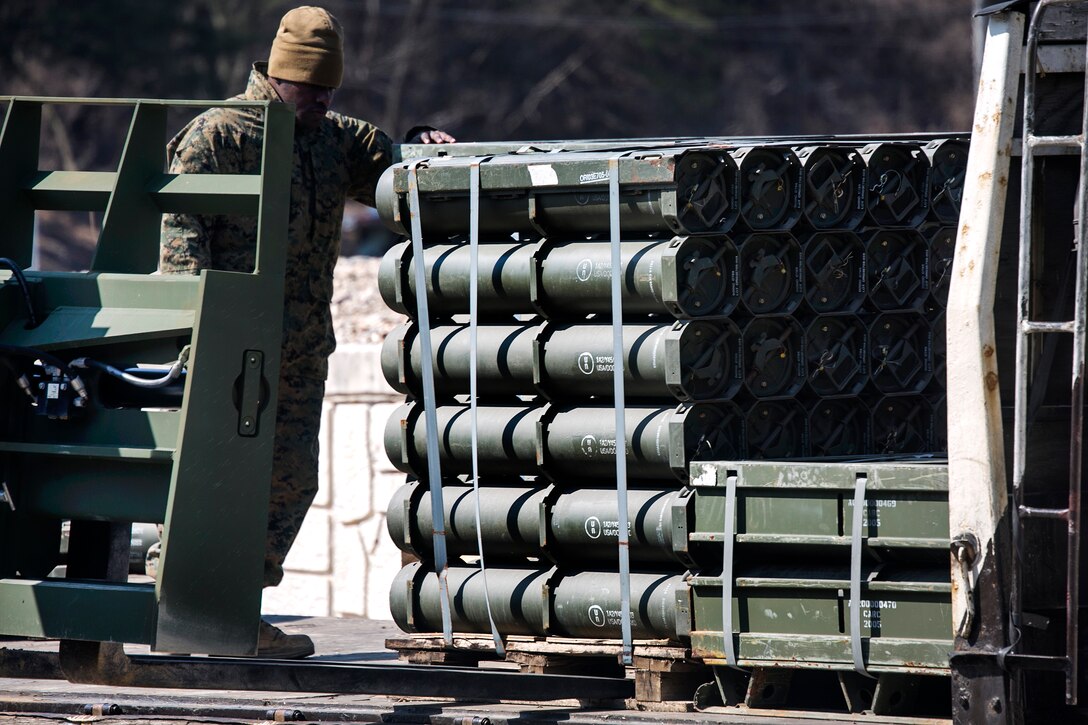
{"x": 474, "y": 268}
{"x": 434, "y": 471}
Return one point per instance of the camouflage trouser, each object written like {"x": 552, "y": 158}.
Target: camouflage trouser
{"x": 294, "y": 468}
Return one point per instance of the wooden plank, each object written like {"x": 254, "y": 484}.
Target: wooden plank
{"x": 458, "y": 658}
{"x": 679, "y": 687}
{"x": 550, "y": 664}
{"x": 662, "y": 649}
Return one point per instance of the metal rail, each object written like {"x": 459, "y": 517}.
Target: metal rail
{"x": 105, "y": 664}
{"x": 1033, "y": 146}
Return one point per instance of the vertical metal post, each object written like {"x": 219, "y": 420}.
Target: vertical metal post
{"x": 978, "y": 502}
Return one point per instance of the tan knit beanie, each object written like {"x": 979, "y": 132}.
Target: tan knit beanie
{"x": 308, "y": 48}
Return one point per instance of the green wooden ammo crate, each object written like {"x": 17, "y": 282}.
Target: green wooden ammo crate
{"x": 811, "y": 504}
{"x": 801, "y": 617}
{"x": 786, "y": 612}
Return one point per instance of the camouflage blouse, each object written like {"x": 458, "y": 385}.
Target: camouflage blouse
{"x": 341, "y": 158}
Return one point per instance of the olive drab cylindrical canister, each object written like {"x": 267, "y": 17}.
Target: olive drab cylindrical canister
{"x": 770, "y": 187}
{"x": 541, "y": 602}
{"x": 685, "y": 360}
{"x": 942, "y": 250}
{"x": 948, "y": 160}
{"x": 774, "y": 357}
{"x": 834, "y": 192}
{"x": 505, "y": 365}
{"x": 584, "y": 522}
{"x": 898, "y": 267}
{"x": 835, "y": 272}
{"x": 503, "y": 279}
{"x": 518, "y": 597}
{"x": 771, "y": 280}
{"x": 567, "y": 441}
{"x": 661, "y": 441}
{"x": 587, "y": 604}
{"x": 685, "y": 277}
{"x": 777, "y": 430}
{"x": 839, "y": 427}
{"x": 903, "y": 424}
{"x": 898, "y": 184}
{"x": 510, "y": 516}
{"x": 940, "y": 423}
{"x": 836, "y": 355}
{"x": 566, "y": 525}
{"x": 672, "y": 190}
{"x": 900, "y": 353}
{"x": 939, "y": 347}
{"x": 507, "y": 439}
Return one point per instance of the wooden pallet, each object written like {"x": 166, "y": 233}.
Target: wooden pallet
{"x": 665, "y": 675}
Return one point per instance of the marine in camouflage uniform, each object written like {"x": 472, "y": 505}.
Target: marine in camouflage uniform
{"x": 340, "y": 158}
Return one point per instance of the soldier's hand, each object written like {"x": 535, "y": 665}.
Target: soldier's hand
{"x": 434, "y": 135}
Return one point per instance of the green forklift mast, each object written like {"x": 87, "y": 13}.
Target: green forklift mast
{"x": 129, "y": 396}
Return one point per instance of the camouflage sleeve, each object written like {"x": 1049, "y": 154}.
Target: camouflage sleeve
{"x": 369, "y": 152}
{"x": 185, "y": 245}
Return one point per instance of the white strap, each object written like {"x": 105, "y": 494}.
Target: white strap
{"x": 729, "y": 531}
{"x": 855, "y": 575}
{"x": 473, "y": 311}
{"x": 618, "y": 397}
{"x": 434, "y": 470}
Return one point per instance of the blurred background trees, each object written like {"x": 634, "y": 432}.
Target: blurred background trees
{"x": 501, "y": 70}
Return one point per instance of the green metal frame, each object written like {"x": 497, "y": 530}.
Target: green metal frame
{"x": 202, "y": 468}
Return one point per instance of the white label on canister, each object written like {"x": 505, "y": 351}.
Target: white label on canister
{"x": 585, "y": 363}
{"x": 543, "y": 175}
{"x": 596, "y": 615}
{"x": 593, "y": 527}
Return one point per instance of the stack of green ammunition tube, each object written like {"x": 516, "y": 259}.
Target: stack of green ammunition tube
{"x": 782, "y": 300}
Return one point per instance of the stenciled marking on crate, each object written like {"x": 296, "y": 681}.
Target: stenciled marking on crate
{"x": 871, "y": 609}
{"x": 873, "y": 507}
